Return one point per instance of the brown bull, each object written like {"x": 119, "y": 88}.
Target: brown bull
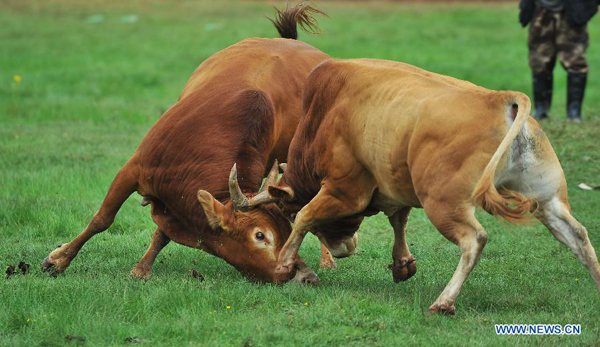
{"x": 386, "y": 136}
{"x": 242, "y": 106}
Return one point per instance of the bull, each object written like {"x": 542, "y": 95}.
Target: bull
{"x": 386, "y": 136}
{"x": 241, "y": 105}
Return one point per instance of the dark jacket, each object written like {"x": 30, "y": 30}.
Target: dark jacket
{"x": 578, "y": 12}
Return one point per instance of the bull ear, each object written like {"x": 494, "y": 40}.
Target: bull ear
{"x": 216, "y": 212}
{"x": 282, "y": 192}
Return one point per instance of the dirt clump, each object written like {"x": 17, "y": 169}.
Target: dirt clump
{"x": 197, "y": 275}
{"x": 75, "y": 338}
{"x": 10, "y": 270}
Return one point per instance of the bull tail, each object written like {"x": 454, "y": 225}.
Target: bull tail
{"x": 287, "y": 21}
{"x": 511, "y": 205}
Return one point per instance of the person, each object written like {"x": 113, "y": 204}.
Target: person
{"x": 558, "y": 28}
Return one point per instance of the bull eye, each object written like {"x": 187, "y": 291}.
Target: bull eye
{"x": 260, "y": 236}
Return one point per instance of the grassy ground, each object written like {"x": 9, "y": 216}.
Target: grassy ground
{"x": 95, "y": 78}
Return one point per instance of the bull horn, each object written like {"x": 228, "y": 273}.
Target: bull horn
{"x": 263, "y": 197}
{"x": 283, "y": 167}
{"x": 271, "y": 177}
{"x": 239, "y": 200}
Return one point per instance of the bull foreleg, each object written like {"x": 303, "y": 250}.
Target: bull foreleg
{"x": 144, "y": 267}
{"x": 121, "y": 188}
{"x": 404, "y": 266}
{"x": 555, "y": 215}
{"x": 326, "y": 206}
{"x": 289, "y": 253}
{"x": 464, "y": 230}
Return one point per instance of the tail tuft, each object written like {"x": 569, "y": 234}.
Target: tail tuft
{"x": 511, "y": 205}
{"x": 286, "y": 21}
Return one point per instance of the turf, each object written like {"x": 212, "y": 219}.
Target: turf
{"x": 96, "y": 75}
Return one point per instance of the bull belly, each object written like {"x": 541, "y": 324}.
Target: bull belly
{"x": 391, "y": 203}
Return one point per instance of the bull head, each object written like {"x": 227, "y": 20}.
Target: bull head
{"x": 250, "y": 238}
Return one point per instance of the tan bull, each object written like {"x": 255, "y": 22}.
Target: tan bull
{"x": 386, "y": 136}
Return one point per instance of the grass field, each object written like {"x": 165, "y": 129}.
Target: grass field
{"x": 96, "y": 75}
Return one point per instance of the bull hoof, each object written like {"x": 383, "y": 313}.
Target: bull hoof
{"x": 50, "y": 268}
{"x": 46, "y": 264}
{"x": 56, "y": 262}
{"x": 143, "y": 274}
{"x": 328, "y": 265}
{"x": 445, "y": 309}
{"x": 404, "y": 268}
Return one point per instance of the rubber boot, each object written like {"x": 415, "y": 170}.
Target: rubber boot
{"x": 542, "y": 94}
{"x": 575, "y": 89}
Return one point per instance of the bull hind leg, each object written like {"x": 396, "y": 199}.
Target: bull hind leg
{"x": 555, "y": 215}
{"x": 124, "y": 184}
{"x": 143, "y": 270}
{"x": 462, "y": 228}
{"x": 169, "y": 228}
{"x": 326, "y": 261}
{"x": 404, "y": 265}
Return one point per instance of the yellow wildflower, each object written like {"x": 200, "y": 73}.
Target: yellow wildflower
{"x": 17, "y": 78}
{"x": 228, "y": 307}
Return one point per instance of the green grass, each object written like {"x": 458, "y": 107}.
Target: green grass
{"x": 89, "y": 92}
